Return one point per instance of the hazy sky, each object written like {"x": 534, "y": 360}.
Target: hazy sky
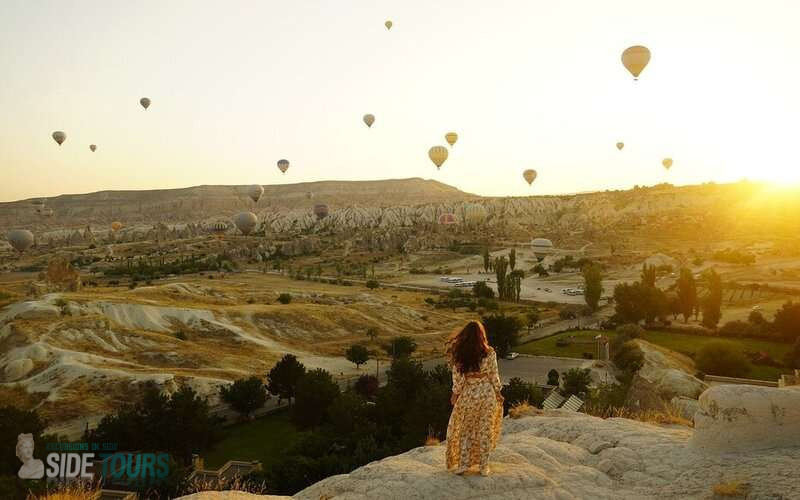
{"x": 236, "y": 86}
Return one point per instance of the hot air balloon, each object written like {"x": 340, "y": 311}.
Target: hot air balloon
{"x": 116, "y": 226}
{"x": 309, "y": 195}
{"x": 620, "y": 145}
{"x": 369, "y": 120}
{"x": 321, "y": 210}
{"x": 388, "y": 25}
{"x": 542, "y": 247}
{"x": 93, "y": 147}
{"x": 475, "y": 214}
{"x": 437, "y": 154}
{"x": 451, "y": 138}
{"x": 635, "y": 59}
{"x": 20, "y": 239}
{"x": 447, "y": 219}
{"x": 667, "y": 162}
{"x": 145, "y": 102}
{"x": 283, "y": 165}
{"x": 218, "y": 229}
{"x": 255, "y": 192}
{"x": 59, "y": 137}
{"x": 246, "y": 222}
{"x": 529, "y": 175}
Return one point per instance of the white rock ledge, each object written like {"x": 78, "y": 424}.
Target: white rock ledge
{"x": 746, "y": 417}
{"x": 562, "y": 455}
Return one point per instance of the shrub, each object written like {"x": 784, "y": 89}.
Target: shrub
{"x": 245, "y": 395}
{"x": 722, "y": 358}
{"x": 518, "y": 391}
{"x": 628, "y": 357}
{"x": 367, "y": 386}
{"x": 552, "y": 377}
{"x": 372, "y": 284}
{"x": 482, "y": 290}
{"x": 284, "y": 298}
{"x": 576, "y": 381}
{"x": 587, "y": 355}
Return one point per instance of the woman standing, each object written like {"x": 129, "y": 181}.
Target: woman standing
{"x": 477, "y": 403}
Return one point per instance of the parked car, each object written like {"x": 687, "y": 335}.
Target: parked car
{"x": 512, "y": 355}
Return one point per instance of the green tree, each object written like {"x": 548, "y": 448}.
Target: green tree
{"x": 367, "y": 386}
{"x": 687, "y": 293}
{"x": 357, "y": 354}
{"x": 553, "y": 377}
{"x": 628, "y": 302}
{"x": 576, "y": 382}
{"x": 372, "y": 333}
{"x": 722, "y": 358}
{"x": 512, "y": 258}
{"x": 316, "y": 391}
{"x": 649, "y": 275}
{"x": 593, "y": 285}
{"x": 518, "y": 391}
{"x": 712, "y": 304}
{"x": 787, "y": 321}
{"x": 486, "y": 261}
{"x": 500, "y": 269}
{"x": 515, "y": 278}
{"x": 628, "y": 357}
{"x": 372, "y": 284}
{"x": 284, "y": 298}
{"x": 245, "y": 395}
{"x": 792, "y": 358}
{"x": 531, "y": 318}
{"x": 400, "y": 347}
{"x": 482, "y": 290}
{"x": 283, "y": 377}
{"x": 502, "y": 332}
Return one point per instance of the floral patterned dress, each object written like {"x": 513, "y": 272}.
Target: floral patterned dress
{"x": 477, "y": 416}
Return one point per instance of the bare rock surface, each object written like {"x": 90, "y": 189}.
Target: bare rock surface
{"x": 561, "y": 455}
{"x": 747, "y": 417}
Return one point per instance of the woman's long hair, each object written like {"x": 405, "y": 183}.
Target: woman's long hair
{"x": 467, "y": 348}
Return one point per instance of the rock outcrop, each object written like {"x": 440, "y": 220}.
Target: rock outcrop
{"x": 746, "y": 417}
{"x": 565, "y": 455}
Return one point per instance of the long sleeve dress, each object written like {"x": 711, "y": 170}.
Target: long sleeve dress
{"x": 477, "y": 416}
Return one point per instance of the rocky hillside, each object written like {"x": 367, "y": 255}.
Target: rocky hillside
{"x": 565, "y": 455}
{"x": 200, "y": 202}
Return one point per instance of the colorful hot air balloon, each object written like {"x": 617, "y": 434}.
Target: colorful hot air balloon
{"x": 529, "y": 175}
{"x": 59, "y": 137}
{"x": 369, "y": 120}
{"x": 542, "y": 247}
{"x": 321, "y": 210}
{"x": 635, "y": 59}
{"x": 388, "y": 25}
{"x": 245, "y": 222}
{"x": 20, "y": 239}
{"x": 116, "y": 226}
{"x": 218, "y": 229}
{"x": 255, "y": 192}
{"x": 447, "y": 219}
{"x": 93, "y": 147}
{"x": 620, "y": 145}
{"x": 145, "y": 102}
{"x": 667, "y": 162}
{"x": 437, "y": 154}
{"x": 451, "y": 138}
{"x": 283, "y": 165}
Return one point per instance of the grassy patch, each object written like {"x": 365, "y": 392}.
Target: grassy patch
{"x": 265, "y": 439}
{"x": 678, "y": 342}
{"x": 547, "y": 346}
{"x": 690, "y": 344}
